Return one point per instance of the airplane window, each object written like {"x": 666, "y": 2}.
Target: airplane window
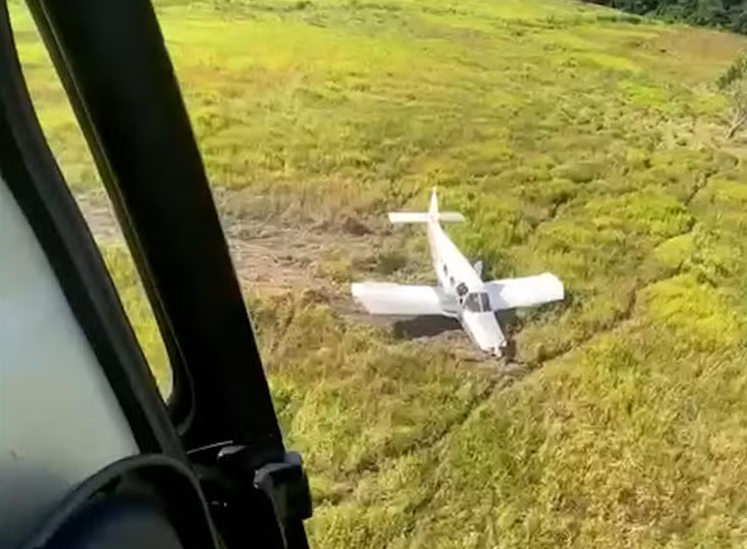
{"x": 477, "y": 302}
{"x": 485, "y": 302}
{"x": 472, "y": 304}
{"x": 67, "y": 143}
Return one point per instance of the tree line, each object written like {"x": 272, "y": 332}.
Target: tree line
{"x": 723, "y": 14}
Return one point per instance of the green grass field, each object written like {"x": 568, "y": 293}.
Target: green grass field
{"x": 575, "y": 139}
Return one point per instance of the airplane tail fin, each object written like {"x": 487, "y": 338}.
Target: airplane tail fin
{"x": 424, "y": 217}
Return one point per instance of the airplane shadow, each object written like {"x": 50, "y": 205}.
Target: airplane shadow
{"x": 424, "y": 326}
{"x": 433, "y": 325}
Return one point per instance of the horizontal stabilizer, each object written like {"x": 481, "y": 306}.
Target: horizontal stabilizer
{"x": 424, "y": 217}
{"x": 528, "y": 291}
{"x": 385, "y": 298}
{"x": 450, "y": 217}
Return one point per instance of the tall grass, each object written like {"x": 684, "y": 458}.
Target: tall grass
{"x": 576, "y": 140}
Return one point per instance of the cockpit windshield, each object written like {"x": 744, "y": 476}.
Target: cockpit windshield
{"x": 477, "y": 302}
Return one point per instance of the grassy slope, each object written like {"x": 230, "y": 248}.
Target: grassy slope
{"x": 576, "y": 141}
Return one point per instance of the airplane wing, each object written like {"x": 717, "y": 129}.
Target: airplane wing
{"x": 385, "y": 298}
{"x": 510, "y": 293}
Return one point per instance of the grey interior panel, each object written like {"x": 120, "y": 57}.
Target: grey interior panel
{"x": 59, "y": 419}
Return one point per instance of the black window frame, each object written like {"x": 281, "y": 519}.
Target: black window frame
{"x": 113, "y": 64}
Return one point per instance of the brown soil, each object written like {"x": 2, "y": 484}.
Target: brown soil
{"x": 267, "y": 254}
{"x": 280, "y": 255}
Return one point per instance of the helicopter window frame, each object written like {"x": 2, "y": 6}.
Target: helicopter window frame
{"x": 129, "y": 104}
{"x": 33, "y": 177}
{"x": 176, "y": 396}
{"x": 150, "y": 162}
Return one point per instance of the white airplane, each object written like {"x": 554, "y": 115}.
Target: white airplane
{"x": 461, "y": 293}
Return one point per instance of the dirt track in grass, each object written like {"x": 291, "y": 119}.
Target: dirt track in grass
{"x": 283, "y": 255}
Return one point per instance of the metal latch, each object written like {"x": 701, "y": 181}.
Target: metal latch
{"x": 287, "y": 488}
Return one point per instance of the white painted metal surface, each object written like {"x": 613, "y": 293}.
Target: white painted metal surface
{"x": 460, "y": 288}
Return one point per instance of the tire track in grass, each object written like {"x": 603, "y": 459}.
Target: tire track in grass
{"x": 627, "y": 312}
{"x": 625, "y": 316}
{"x": 500, "y": 384}
{"x": 421, "y": 446}
{"x": 699, "y": 186}
{"x": 439, "y": 441}
{"x": 103, "y": 224}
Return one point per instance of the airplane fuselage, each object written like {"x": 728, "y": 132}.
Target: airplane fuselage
{"x": 459, "y": 279}
{"x": 461, "y": 292}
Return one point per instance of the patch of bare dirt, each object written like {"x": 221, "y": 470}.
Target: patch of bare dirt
{"x": 271, "y": 254}
{"x": 280, "y": 255}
